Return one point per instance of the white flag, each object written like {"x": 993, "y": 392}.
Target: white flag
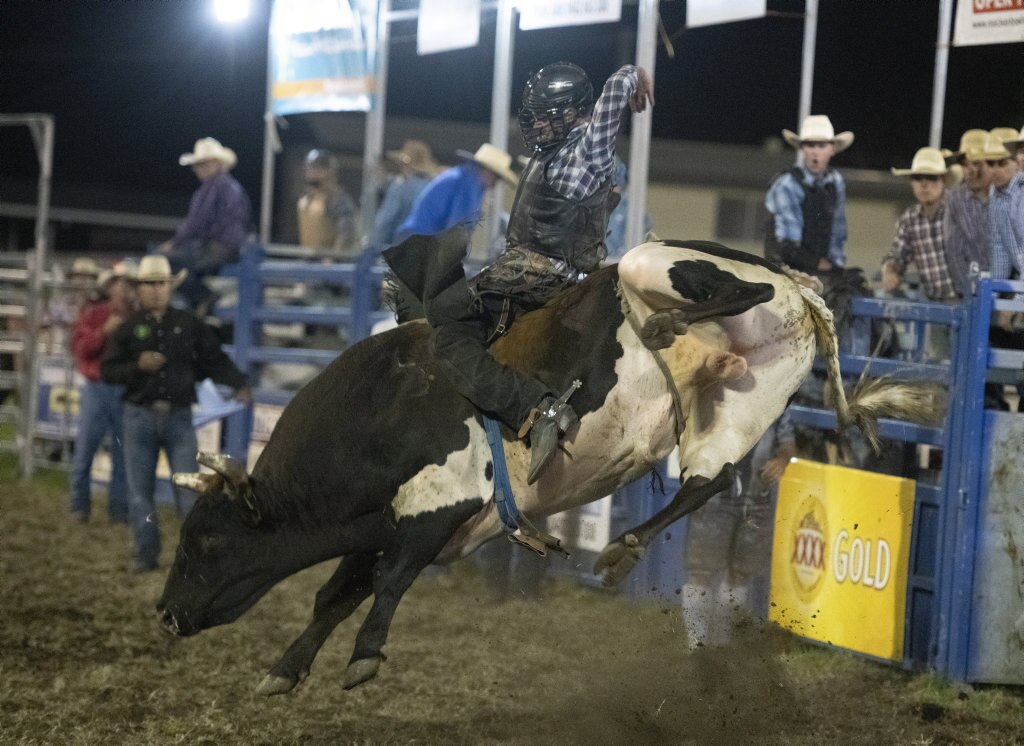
{"x": 710, "y": 12}
{"x": 447, "y": 24}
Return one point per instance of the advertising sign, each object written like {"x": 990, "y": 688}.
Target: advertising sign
{"x": 988, "y": 22}
{"x": 711, "y": 12}
{"x": 840, "y": 557}
{"x": 587, "y": 527}
{"x": 447, "y": 24}
{"x": 59, "y": 393}
{"x": 534, "y": 14}
{"x": 322, "y": 55}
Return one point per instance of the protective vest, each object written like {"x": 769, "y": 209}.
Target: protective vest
{"x": 559, "y": 227}
{"x": 819, "y": 209}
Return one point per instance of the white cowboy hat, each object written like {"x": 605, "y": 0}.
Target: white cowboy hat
{"x": 818, "y": 128}
{"x": 156, "y": 268}
{"x": 84, "y": 266}
{"x": 126, "y": 268}
{"x": 494, "y": 159}
{"x": 927, "y": 162}
{"x": 209, "y": 149}
{"x": 994, "y": 147}
{"x": 1015, "y": 143}
{"x": 971, "y": 144}
{"x": 416, "y": 155}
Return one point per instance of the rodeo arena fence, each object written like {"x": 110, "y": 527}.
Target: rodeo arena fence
{"x": 939, "y": 577}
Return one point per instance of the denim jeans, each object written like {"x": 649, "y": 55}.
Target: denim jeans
{"x": 145, "y": 433}
{"x": 100, "y": 412}
{"x": 201, "y": 259}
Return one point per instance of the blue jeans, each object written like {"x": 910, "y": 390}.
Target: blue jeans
{"x": 201, "y": 259}
{"x": 145, "y": 432}
{"x": 101, "y": 411}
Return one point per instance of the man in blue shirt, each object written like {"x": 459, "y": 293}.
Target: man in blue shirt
{"x": 807, "y": 204}
{"x": 218, "y": 222}
{"x": 456, "y": 195}
{"x": 417, "y": 167}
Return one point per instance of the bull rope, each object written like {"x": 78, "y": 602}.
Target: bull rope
{"x": 677, "y": 400}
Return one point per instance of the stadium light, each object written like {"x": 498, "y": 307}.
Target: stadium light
{"x": 231, "y": 11}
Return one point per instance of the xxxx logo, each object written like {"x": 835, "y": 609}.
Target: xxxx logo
{"x": 807, "y": 558}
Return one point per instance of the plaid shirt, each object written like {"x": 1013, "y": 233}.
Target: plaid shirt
{"x": 785, "y": 198}
{"x": 965, "y": 230}
{"x": 588, "y": 157}
{"x": 1006, "y": 222}
{"x": 919, "y": 240}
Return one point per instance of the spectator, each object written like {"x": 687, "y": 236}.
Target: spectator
{"x": 1015, "y": 145}
{"x": 456, "y": 195}
{"x": 807, "y": 204}
{"x": 63, "y": 307}
{"x": 1006, "y": 205}
{"x": 919, "y": 234}
{"x": 158, "y": 355}
{"x": 417, "y": 167}
{"x": 218, "y": 223}
{"x": 965, "y": 224}
{"x": 101, "y": 410}
{"x": 616, "y": 240}
{"x": 327, "y": 213}
{"x": 728, "y": 542}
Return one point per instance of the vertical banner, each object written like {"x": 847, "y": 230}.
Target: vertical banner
{"x": 535, "y": 14}
{"x": 711, "y": 12}
{"x": 988, "y": 22}
{"x": 322, "y": 55}
{"x": 447, "y": 24}
{"x": 840, "y": 557}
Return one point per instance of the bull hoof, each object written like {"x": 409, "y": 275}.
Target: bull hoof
{"x": 661, "y": 329}
{"x": 617, "y": 560}
{"x": 361, "y": 671}
{"x": 272, "y": 685}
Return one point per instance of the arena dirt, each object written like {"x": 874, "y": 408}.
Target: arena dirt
{"x": 82, "y": 661}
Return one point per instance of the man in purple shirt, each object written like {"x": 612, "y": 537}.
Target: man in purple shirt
{"x": 556, "y": 233}
{"x": 218, "y": 222}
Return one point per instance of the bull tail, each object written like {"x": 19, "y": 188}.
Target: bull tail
{"x": 922, "y": 402}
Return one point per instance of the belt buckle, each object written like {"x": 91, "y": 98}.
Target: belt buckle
{"x": 161, "y": 406}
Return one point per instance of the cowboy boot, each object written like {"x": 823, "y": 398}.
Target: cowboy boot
{"x": 553, "y": 419}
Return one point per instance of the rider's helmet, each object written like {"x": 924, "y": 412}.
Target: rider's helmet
{"x": 555, "y": 98}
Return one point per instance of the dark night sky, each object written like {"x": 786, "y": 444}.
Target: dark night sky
{"x": 133, "y": 83}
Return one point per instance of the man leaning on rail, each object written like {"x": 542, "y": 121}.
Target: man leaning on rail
{"x": 555, "y": 237}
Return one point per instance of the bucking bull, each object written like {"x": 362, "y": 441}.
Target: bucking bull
{"x": 378, "y": 461}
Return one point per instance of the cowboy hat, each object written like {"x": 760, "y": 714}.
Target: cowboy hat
{"x": 209, "y": 149}
{"x": 1016, "y": 142}
{"x": 971, "y": 143}
{"x": 416, "y": 155}
{"x": 156, "y": 268}
{"x": 818, "y": 128}
{"x": 495, "y": 160}
{"x": 927, "y": 162}
{"x": 84, "y": 266}
{"x": 126, "y": 268}
{"x": 993, "y": 148}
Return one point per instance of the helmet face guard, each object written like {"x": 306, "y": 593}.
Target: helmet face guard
{"x": 555, "y": 98}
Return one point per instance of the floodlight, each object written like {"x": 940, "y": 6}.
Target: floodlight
{"x": 230, "y": 11}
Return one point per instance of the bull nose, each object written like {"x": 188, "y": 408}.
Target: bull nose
{"x": 169, "y": 623}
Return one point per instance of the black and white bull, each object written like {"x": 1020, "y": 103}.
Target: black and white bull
{"x": 380, "y": 462}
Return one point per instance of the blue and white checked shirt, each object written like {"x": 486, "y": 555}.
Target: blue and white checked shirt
{"x": 784, "y": 199}
{"x": 1006, "y": 224}
{"x": 588, "y": 157}
{"x": 965, "y": 231}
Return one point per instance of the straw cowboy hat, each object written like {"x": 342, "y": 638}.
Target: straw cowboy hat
{"x": 971, "y": 144}
{"x": 416, "y": 155}
{"x": 927, "y": 162}
{"x": 209, "y": 149}
{"x": 84, "y": 266}
{"x": 994, "y": 149}
{"x": 495, "y": 160}
{"x": 156, "y": 268}
{"x": 818, "y": 128}
{"x": 1016, "y": 142}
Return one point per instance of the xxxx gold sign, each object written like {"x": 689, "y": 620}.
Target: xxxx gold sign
{"x": 839, "y": 561}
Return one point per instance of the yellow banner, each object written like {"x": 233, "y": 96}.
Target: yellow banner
{"x": 840, "y": 557}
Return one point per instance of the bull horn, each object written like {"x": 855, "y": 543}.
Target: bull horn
{"x": 227, "y": 467}
{"x": 204, "y": 484}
